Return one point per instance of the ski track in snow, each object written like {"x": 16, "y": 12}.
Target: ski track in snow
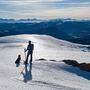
{"x": 46, "y": 75}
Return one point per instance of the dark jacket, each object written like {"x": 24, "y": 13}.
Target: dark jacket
{"x": 30, "y": 48}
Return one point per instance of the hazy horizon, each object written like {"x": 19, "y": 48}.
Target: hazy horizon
{"x": 45, "y": 9}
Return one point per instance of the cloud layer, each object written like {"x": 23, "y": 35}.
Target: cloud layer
{"x": 45, "y": 9}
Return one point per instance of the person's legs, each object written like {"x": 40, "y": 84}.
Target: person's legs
{"x": 27, "y": 58}
{"x": 31, "y": 57}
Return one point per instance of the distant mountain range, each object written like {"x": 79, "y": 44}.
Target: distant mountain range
{"x": 77, "y": 31}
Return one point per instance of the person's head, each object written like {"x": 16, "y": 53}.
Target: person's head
{"x": 29, "y": 42}
{"x": 19, "y": 56}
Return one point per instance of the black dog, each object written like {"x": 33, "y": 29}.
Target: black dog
{"x": 18, "y": 59}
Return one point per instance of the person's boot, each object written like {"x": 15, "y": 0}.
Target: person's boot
{"x": 26, "y": 62}
{"x": 30, "y": 62}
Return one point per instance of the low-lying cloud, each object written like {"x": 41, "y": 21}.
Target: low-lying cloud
{"x": 44, "y": 8}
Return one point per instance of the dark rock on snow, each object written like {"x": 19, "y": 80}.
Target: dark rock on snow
{"x": 82, "y": 66}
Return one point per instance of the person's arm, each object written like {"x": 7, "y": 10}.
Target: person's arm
{"x": 25, "y": 49}
{"x": 32, "y": 46}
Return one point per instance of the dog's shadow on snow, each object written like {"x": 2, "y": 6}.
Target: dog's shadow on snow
{"x": 17, "y": 64}
{"x": 27, "y": 75}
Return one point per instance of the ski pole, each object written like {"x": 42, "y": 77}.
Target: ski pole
{"x": 25, "y": 54}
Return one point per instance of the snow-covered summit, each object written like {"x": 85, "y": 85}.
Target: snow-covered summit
{"x": 49, "y": 74}
{"x": 44, "y": 40}
{"x": 56, "y": 48}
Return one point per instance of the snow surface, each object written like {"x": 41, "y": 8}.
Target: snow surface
{"x": 49, "y": 74}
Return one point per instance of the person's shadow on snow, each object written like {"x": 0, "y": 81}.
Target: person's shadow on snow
{"x": 27, "y": 75}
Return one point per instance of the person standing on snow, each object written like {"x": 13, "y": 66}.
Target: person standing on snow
{"x": 29, "y": 50}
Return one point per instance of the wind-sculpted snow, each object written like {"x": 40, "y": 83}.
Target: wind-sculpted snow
{"x": 44, "y": 40}
{"x": 48, "y": 71}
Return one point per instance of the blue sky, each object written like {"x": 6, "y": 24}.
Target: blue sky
{"x": 45, "y": 9}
